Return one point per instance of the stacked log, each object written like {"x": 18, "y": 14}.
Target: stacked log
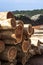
{"x": 29, "y": 29}
{"x": 6, "y": 15}
{"x": 9, "y": 54}
{"x": 19, "y": 22}
{"x": 26, "y": 45}
{"x": 8, "y": 24}
{"x": 11, "y": 38}
{"x": 19, "y": 33}
{"x": 15, "y": 40}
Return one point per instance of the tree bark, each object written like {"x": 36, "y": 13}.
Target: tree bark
{"x": 10, "y": 42}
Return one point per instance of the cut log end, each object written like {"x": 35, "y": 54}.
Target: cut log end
{"x": 19, "y": 22}
{"x": 26, "y": 45}
{"x": 19, "y": 33}
{"x": 30, "y": 29}
{"x": 12, "y": 54}
{"x": 10, "y": 15}
{"x": 8, "y": 24}
{"x": 13, "y": 22}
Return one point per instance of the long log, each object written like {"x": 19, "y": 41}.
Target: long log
{"x": 8, "y": 24}
{"x": 2, "y": 46}
{"x": 6, "y": 15}
{"x": 19, "y": 33}
{"x": 26, "y": 45}
{"x": 9, "y": 33}
{"x": 9, "y": 54}
{"x": 10, "y": 42}
{"x": 3, "y": 37}
{"x": 9, "y": 39}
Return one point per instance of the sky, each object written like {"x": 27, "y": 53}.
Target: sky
{"x": 13, "y": 5}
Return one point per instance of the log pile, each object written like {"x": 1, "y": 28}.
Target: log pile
{"x": 15, "y": 40}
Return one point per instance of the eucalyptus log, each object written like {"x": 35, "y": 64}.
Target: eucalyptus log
{"x": 29, "y": 28}
{"x": 2, "y": 46}
{"x": 25, "y": 35}
{"x": 19, "y": 22}
{"x": 6, "y": 15}
{"x": 9, "y": 54}
{"x": 8, "y": 24}
{"x": 19, "y": 33}
{"x": 3, "y": 37}
{"x": 9, "y": 33}
{"x": 10, "y": 41}
{"x": 26, "y": 45}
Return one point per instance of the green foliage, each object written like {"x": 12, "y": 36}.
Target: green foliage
{"x": 29, "y": 12}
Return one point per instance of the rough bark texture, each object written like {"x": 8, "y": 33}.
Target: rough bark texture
{"x": 10, "y": 41}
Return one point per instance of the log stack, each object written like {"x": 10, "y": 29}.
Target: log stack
{"x": 15, "y": 40}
